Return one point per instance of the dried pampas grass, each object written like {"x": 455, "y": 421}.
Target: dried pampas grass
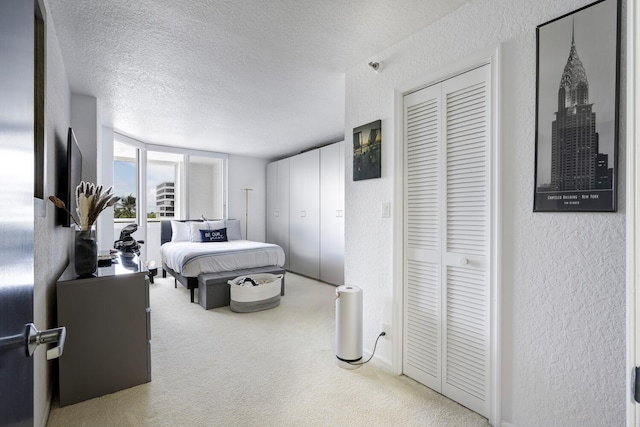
{"x": 90, "y": 202}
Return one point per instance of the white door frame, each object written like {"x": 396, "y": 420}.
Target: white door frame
{"x": 480, "y": 57}
{"x": 632, "y": 205}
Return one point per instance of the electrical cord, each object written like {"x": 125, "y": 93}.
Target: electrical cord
{"x": 372, "y": 353}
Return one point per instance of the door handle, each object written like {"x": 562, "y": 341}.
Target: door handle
{"x": 31, "y": 338}
{"x": 50, "y": 336}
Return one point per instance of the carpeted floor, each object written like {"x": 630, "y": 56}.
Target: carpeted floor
{"x": 270, "y": 368}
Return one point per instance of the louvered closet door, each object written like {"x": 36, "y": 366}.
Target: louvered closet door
{"x": 447, "y": 238}
{"x": 423, "y": 237}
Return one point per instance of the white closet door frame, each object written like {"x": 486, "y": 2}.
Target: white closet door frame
{"x": 478, "y": 58}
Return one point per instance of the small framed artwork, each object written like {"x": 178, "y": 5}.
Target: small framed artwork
{"x": 577, "y": 87}
{"x": 367, "y": 151}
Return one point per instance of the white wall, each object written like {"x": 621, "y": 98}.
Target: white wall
{"x": 201, "y": 196}
{"x": 104, "y": 175}
{"x": 248, "y": 172}
{"x": 563, "y": 282}
{"x": 85, "y": 121}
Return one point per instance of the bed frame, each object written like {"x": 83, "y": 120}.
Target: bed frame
{"x": 191, "y": 283}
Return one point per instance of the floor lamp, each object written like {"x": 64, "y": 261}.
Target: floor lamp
{"x": 246, "y": 212}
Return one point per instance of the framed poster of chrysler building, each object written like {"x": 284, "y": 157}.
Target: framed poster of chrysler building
{"x": 577, "y": 110}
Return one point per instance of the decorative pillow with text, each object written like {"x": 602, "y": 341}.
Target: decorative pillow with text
{"x": 196, "y": 226}
{"x": 213, "y": 235}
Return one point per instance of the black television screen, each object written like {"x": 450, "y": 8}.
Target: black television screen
{"x": 70, "y": 176}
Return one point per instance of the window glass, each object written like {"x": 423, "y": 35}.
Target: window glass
{"x": 164, "y": 196}
{"x": 164, "y": 185}
{"x": 125, "y": 183}
{"x": 175, "y": 186}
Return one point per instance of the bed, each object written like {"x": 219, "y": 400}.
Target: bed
{"x": 186, "y": 256}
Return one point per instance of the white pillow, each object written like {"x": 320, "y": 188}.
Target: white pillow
{"x": 196, "y": 226}
{"x": 233, "y": 229}
{"x": 179, "y": 231}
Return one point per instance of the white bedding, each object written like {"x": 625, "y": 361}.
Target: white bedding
{"x": 192, "y": 258}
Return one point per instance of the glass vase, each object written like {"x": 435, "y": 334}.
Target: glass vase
{"x": 85, "y": 255}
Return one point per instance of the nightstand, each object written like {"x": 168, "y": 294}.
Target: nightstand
{"x": 108, "y": 325}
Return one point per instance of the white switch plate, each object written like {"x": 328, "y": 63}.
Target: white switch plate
{"x": 386, "y": 210}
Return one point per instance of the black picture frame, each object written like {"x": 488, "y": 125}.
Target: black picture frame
{"x": 367, "y": 151}
{"x": 577, "y": 102}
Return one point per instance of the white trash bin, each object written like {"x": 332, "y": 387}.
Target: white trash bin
{"x": 348, "y": 326}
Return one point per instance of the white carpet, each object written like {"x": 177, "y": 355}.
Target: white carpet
{"x": 270, "y": 368}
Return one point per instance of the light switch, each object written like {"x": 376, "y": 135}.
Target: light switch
{"x": 386, "y": 210}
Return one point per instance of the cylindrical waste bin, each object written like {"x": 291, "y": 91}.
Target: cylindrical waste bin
{"x": 348, "y": 326}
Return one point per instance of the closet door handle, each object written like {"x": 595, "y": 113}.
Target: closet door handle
{"x": 463, "y": 261}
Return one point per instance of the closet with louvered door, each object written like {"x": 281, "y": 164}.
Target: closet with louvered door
{"x": 447, "y": 219}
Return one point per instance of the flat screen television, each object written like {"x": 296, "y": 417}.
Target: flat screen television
{"x": 69, "y": 177}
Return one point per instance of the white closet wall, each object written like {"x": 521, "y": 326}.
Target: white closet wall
{"x": 310, "y": 188}
{"x": 304, "y": 216}
{"x": 278, "y": 206}
{"x": 332, "y": 213}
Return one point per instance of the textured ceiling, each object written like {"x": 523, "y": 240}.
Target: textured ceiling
{"x": 247, "y": 77}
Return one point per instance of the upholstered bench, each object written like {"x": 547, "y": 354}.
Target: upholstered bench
{"x": 213, "y": 288}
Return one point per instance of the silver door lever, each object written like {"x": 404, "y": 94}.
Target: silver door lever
{"x": 50, "y": 336}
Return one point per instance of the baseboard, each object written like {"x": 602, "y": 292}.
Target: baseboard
{"x": 42, "y": 421}
{"x": 506, "y": 424}
{"x": 379, "y": 361}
